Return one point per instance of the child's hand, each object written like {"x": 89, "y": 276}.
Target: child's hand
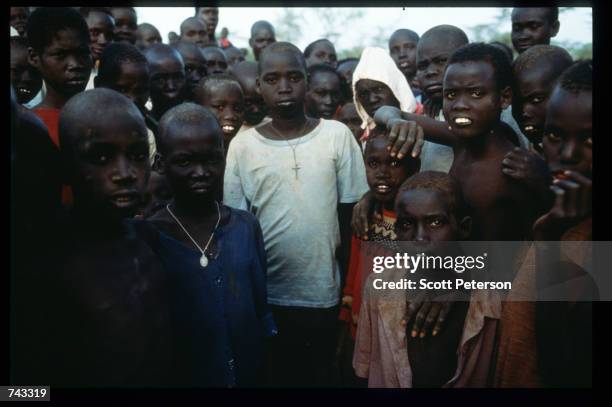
{"x": 528, "y": 167}
{"x": 347, "y": 301}
{"x": 362, "y": 212}
{"x": 425, "y": 313}
{"x": 573, "y": 202}
{"x": 405, "y": 136}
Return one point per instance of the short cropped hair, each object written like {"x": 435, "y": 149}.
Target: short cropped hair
{"x": 578, "y": 77}
{"x": 310, "y": 47}
{"x": 184, "y": 114}
{"x": 321, "y": 68}
{"x": 45, "y": 22}
{"x": 280, "y": 47}
{"x": 440, "y": 182}
{"x": 113, "y": 56}
{"x": 489, "y": 53}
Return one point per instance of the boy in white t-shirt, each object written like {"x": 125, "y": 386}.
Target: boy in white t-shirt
{"x": 298, "y": 175}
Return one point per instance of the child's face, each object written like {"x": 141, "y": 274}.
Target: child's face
{"x": 19, "y": 18}
{"x": 215, "y": 61}
{"x": 112, "y": 167}
{"x": 425, "y": 216}
{"x": 385, "y": 174}
{"x": 373, "y": 95}
{"x": 323, "y": 53}
{"x": 403, "y": 51}
{"x": 167, "y": 81}
{"x": 24, "y": 77}
{"x": 145, "y": 37}
{"x": 101, "y": 31}
{"x": 193, "y": 162}
{"x": 431, "y": 59}
{"x": 348, "y": 115}
{"x": 261, "y": 39}
{"x": 160, "y": 193}
{"x": 195, "y": 32}
{"x": 567, "y": 142}
{"x": 323, "y": 96}
{"x": 195, "y": 68}
{"x": 531, "y": 26}
{"x": 255, "y": 108}
{"x": 65, "y": 64}
{"x": 282, "y": 84}
{"x": 133, "y": 82}
{"x": 233, "y": 55}
{"x": 345, "y": 70}
{"x": 125, "y": 25}
{"x": 210, "y": 16}
{"x": 226, "y": 102}
{"x": 472, "y": 103}
{"x": 533, "y": 88}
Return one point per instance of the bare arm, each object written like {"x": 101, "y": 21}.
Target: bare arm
{"x": 434, "y": 130}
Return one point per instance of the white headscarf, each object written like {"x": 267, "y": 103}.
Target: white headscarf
{"x": 377, "y": 65}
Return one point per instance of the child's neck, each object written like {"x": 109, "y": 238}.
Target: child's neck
{"x": 193, "y": 210}
{"x": 53, "y": 99}
{"x": 288, "y": 128}
{"x": 478, "y": 146}
{"x": 94, "y": 227}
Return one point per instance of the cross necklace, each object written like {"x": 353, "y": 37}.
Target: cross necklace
{"x": 296, "y": 166}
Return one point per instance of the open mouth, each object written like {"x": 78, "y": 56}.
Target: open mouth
{"x": 286, "y": 103}
{"x": 126, "y": 199}
{"x": 383, "y": 188}
{"x": 77, "y": 82}
{"x": 435, "y": 88}
{"x": 462, "y": 121}
{"x": 24, "y": 91}
{"x": 228, "y": 128}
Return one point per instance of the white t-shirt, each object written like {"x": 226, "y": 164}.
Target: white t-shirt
{"x": 298, "y": 217}
{"x": 436, "y": 157}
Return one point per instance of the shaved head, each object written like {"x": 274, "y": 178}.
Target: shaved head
{"x": 447, "y": 34}
{"x": 186, "y": 114}
{"x": 261, "y": 24}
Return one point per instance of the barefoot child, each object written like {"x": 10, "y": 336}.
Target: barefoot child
{"x": 222, "y": 95}
{"x": 219, "y": 297}
{"x": 295, "y": 174}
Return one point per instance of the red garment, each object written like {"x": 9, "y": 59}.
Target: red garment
{"x": 361, "y": 259}
{"x": 51, "y": 119}
{"x": 225, "y": 43}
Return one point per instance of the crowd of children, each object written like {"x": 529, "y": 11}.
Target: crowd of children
{"x": 183, "y": 217}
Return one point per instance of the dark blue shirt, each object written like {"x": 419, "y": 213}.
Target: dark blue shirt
{"x": 221, "y": 311}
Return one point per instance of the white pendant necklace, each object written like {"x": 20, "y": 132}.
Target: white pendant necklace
{"x": 203, "y": 259}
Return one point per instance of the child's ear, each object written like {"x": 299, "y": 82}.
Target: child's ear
{"x": 506, "y": 97}
{"x": 257, "y": 86}
{"x": 158, "y": 163}
{"x": 555, "y": 29}
{"x": 251, "y": 43}
{"x": 33, "y": 58}
{"x": 465, "y": 227}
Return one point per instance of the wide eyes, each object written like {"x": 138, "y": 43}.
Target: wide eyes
{"x": 476, "y": 93}
{"x": 450, "y": 95}
{"x": 395, "y": 163}
{"x": 553, "y": 137}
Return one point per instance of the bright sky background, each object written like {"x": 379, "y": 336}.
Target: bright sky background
{"x": 576, "y": 25}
